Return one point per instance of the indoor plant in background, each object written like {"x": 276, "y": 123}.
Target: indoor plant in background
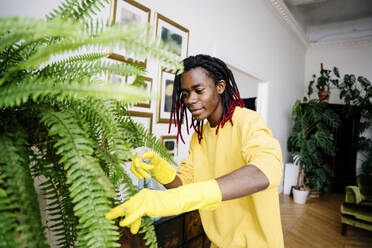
{"x": 324, "y": 82}
{"x": 61, "y": 122}
{"x": 357, "y": 94}
{"x": 310, "y": 138}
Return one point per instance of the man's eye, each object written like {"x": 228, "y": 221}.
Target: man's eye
{"x": 199, "y": 91}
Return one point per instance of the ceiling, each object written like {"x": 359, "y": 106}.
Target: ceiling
{"x": 332, "y": 20}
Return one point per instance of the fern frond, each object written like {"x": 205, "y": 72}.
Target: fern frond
{"x": 95, "y": 27}
{"x": 82, "y": 58}
{"x": 55, "y": 191}
{"x": 16, "y": 94}
{"x": 77, "y": 9}
{"x": 130, "y": 38}
{"x": 13, "y": 163}
{"x": 70, "y": 71}
{"x": 113, "y": 150}
{"x": 149, "y": 229}
{"x": 8, "y": 220}
{"x": 34, "y": 29}
{"x": 100, "y": 115}
{"x": 88, "y": 190}
{"x": 9, "y": 39}
{"x": 140, "y": 136}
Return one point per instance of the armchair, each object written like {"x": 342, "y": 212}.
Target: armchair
{"x": 357, "y": 208}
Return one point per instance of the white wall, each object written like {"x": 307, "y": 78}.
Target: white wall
{"x": 350, "y": 57}
{"x": 247, "y": 85}
{"x": 249, "y": 34}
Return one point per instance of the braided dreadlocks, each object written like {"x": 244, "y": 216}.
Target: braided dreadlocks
{"x": 217, "y": 70}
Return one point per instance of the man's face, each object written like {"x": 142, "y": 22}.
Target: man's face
{"x": 201, "y": 95}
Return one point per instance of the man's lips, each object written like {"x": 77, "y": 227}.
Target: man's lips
{"x": 195, "y": 111}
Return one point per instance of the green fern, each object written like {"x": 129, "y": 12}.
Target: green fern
{"x": 77, "y": 134}
{"x": 60, "y": 207}
{"x": 74, "y": 9}
{"x": 90, "y": 190}
{"x": 17, "y": 94}
{"x": 140, "y": 136}
{"x": 21, "y": 213}
{"x": 8, "y": 220}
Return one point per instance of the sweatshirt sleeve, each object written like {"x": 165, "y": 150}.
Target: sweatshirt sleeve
{"x": 259, "y": 148}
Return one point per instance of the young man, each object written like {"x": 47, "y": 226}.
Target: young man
{"x": 232, "y": 171}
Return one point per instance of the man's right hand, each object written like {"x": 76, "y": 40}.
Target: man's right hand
{"x": 162, "y": 171}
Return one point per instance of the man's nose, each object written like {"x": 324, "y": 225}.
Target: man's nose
{"x": 192, "y": 98}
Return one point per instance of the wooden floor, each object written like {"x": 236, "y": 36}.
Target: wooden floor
{"x": 317, "y": 224}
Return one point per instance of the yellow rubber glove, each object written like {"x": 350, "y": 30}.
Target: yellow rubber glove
{"x": 162, "y": 171}
{"x": 156, "y": 203}
{"x": 140, "y": 169}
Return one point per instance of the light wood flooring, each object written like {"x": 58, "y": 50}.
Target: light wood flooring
{"x": 317, "y": 224}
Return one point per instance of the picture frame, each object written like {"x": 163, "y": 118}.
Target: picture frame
{"x": 115, "y": 79}
{"x": 175, "y": 36}
{"x": 128, "y": 12}
{"x": 143, "y": 118}
{"x": 148, "y": 82}
{"x": 170, "y": 142}
{"x": 164, "y": 104}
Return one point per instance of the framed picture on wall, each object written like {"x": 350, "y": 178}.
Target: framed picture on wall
{"x": 128, "y": 12}
{"x": 173, "y": 35}
{"x": 115, "y": 79}
{"x": 147, "y": 85}
{"x": 170, "y": 142}
{"x": 145, "y": 119}
{"x": 164, "y": 107}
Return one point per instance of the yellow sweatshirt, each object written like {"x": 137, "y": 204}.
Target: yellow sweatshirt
{"x": 252, "y": 221}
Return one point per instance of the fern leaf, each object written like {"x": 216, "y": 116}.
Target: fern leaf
{"x": 142, "y": 137}
{"x": 131, "y": 38}
{"x": 8, "y": 220}
{"x": 8, "y": 40}
{"x": 72, "y": 71}
{"x": 59, "y": 204}
{"x": 112, "y": 141}
{"x": 34, "y": 29}
{"x": 149, "y": 229}
{"x": 28, "y": 228}
{"x": 77, "y": 10}
{"x": 85, "y": 177}
{"x": 16, "y": 94}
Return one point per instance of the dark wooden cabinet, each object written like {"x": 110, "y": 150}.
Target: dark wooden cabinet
{"x": 181, "y": 231}
{"x": 343, "y": 164}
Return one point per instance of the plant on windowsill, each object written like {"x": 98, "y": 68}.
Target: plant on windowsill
{"x": 324, "y": 82}
{"x": 310, "y": 139}
{"x": 62, "y": 123}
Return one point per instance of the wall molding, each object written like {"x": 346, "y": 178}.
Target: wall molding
{"x": 288, "y": 18}
{"x": 286, "y": 15}
{"x": 343, "y": 43}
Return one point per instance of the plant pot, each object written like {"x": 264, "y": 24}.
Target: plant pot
{"x": 324, "y": 95}
{"x": 300, "y": 196}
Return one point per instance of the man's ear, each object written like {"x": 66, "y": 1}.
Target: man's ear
{"x": 221, "y": 85}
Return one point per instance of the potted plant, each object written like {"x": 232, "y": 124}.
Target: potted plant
{"x": 310, "y": 138}
{"x": 62, "y": 123}
{"x": 324, "y": 82}
{"x": 357, "y": 94}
